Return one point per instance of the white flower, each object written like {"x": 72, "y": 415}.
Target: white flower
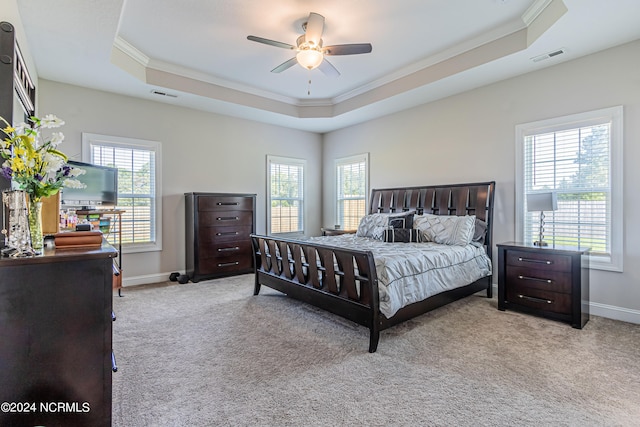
{"x": 73, "y": 183}
{"x": 53, "y": 162}
{"x": 76, "y": 172}
{"x": 51, "y": 121}
{"x": 56, "y": 138}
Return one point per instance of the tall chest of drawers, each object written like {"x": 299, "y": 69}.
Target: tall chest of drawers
{"x": 218, "y": 226}
{"x": 548, "y": 281}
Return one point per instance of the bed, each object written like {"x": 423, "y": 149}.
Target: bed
{"x": 356, "y": 275}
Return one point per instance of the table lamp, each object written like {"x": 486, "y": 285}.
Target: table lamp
{"x": 542, "y": 202}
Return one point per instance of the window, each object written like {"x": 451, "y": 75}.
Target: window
{"x": 139, "y": 189}
{"x": 578, "y": 157}
{"x": 285, "y": 204}
{"x": 351, "y": 190}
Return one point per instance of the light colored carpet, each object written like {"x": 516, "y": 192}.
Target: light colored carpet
{"x": 212, "y": 354}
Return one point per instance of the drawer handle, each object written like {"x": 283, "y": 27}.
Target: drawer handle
{"x": 227, "y": 233}
{"x": 114, "y": 366}
{"x": 227, "y": 264}
{"x": 227, "y": 218}
{"x": 534, "y": 299}
{"x": 535, "y": 261}
{"x": 535, "y": 279}
{"x": 227, "y": 203}
{"x": 235, "y": 248}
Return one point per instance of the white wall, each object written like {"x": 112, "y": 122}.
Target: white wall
{"x": 200, "y": 152}
{"x": 471, "y": 137}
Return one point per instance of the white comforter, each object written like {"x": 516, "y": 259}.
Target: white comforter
{"x": 411, "y": 272}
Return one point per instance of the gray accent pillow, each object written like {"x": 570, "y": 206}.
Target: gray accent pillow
{"x": 446, "y": 229}
{"x": 480, "y": 231}
{"x": 373, "y": 225}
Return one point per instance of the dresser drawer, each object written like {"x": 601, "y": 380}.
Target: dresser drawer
{"x": 225, "y": 218}
{"x": 546, "y": 280}
{"x": 209, "y": 235}
{"x": 224, "y": 265}
{"x": 220, "y": 249}
{"x": 539, "y": 259}
{"x": 540, "y": 300}
{"x": 225, "y": 203}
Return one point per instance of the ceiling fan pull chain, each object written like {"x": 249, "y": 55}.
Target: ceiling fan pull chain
{"x": 309, "y": 88}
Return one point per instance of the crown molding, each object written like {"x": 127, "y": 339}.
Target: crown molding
{"x": 535, "y": 10}
{"x": 462, "y": 55}
{"x": 131, "y": 51}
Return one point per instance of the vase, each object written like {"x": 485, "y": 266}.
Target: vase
{"x": 16, "y": 217}
{"x": 35, "y": 225}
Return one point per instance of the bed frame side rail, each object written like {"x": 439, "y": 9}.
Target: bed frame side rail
{"x": 343, "y": 282}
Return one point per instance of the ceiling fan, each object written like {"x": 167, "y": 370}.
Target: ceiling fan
{"x": 310, "y": 51}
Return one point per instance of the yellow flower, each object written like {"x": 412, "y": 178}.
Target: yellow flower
{"x": 32, "y": 161}
{"x": 18, "y": 164}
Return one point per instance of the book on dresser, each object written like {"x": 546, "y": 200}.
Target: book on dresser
{"x": 217, "y": 235}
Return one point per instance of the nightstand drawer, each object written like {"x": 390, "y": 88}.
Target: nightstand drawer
{"x": 540, "y": 300}
{"x": 545, "y": 280}
{"x": 539, "y": 259}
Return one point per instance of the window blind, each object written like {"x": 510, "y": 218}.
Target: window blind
{"x": 351, "y": 180}
{"x": 286, "y": 182}
{"x": 576, "y": 164}
{"x": 136, "y": 189}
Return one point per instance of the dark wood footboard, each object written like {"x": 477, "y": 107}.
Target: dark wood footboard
{"x": 341, "y": 281}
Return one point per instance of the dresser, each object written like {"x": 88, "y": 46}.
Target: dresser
{"x": 549, "y": 281}
{"x": 217, "y": 235}
{"x": 55, "y": 338}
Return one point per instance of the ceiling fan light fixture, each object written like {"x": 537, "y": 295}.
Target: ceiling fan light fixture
{"x": 309, "y": 58}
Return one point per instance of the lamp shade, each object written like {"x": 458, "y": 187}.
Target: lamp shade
{"x": 539, "y": 202}
{"x": 310, "y": 58}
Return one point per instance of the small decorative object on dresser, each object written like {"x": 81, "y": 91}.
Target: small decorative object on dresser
{"x": 218, "y": 226}
{"x": 550, "y": 281}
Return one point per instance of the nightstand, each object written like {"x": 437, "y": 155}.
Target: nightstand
{"x": 549, "y": 281}
{"x": 336, "y": 232}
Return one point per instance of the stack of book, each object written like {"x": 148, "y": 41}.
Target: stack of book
{"x": 78, "y": 239}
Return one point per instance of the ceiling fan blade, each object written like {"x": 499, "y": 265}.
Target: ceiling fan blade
{"x": 328, "y": 69}
{"x": 285, "y": 65}
{"x": 347, "y": 49}
{"x": 270, "y": 42}
{"x": 315, "y": 26}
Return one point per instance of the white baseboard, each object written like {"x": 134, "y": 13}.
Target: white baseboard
{"x": 613, "y": 312}
{"x": 146, "y": 279}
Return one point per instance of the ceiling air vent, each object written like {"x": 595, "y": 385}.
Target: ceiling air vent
{"x": 548, "y": 55}
{"x": 159, "y": 92}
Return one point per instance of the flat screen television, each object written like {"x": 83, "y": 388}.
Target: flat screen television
{"x": 101, "y": 187}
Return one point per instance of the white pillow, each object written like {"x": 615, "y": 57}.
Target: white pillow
{"x": 446, "y": 229}
{"x": 373, "y": 225}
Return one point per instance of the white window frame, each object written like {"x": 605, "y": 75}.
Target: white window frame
{"x": 340, "y": 162}
{"x": 614, "y": 261}
{"x": 91, "y": 139}
{"x": 292, "y": 162}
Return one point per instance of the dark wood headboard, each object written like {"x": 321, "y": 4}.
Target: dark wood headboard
{"x": 455, "y": 199}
